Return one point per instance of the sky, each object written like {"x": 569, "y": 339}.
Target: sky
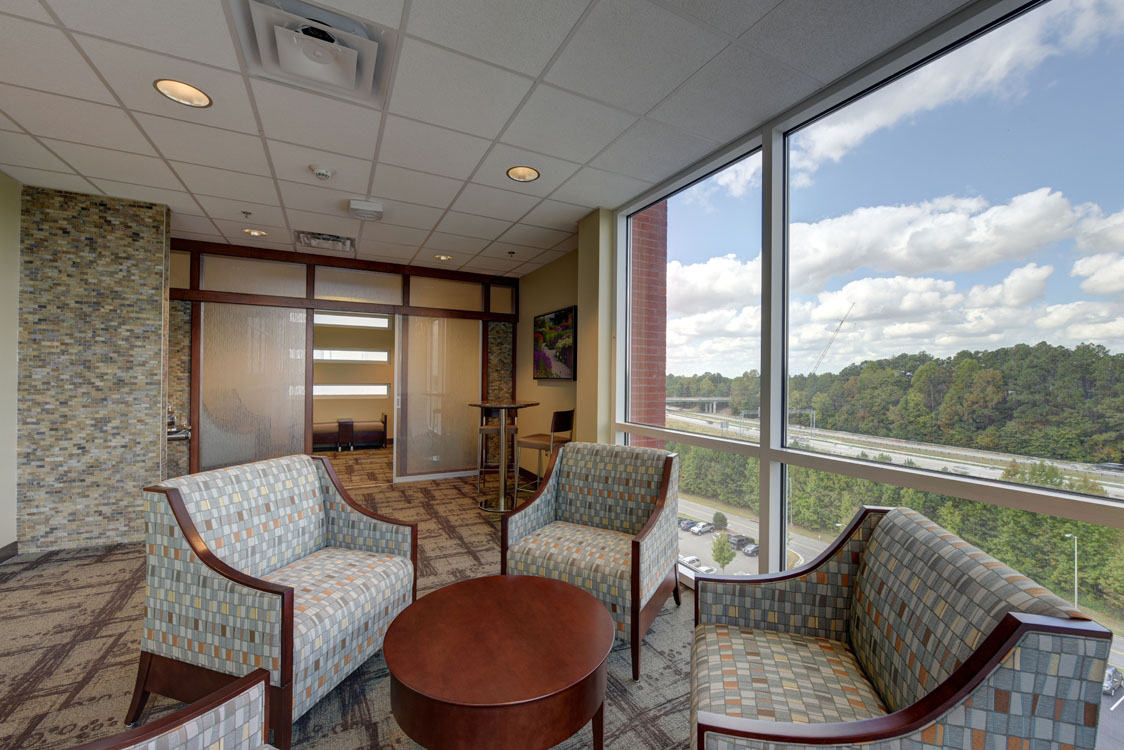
{"x": 975, "y": 203}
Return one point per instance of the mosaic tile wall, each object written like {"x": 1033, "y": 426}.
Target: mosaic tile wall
{"x": 91, "y": 339}
{"x": 179, "y": 381}
{"x": 501, "y": 351}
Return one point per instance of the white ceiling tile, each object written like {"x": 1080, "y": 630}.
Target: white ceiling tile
{"x": 428, "y": 261}
{"x": 216, "y": 238}
{"x": 525, "y": 269}
{"x": 233, "y": 230}
{"x": 651, "y": 151}
{"x": 455, "y": 243}
{"x": 377, "y": 232}
{"x": 556, "y": 215}
{"x": 223, "y": 183}
{"x": 131, "y": 73}
{"x": 412, "y": 215}
{"x": 562, "y": 124}
{"x": 401, "y": 184}
{"x": 523, "y": 234}
{"x": 313, "y": 222}
{"x": 41, "y": 57}
{"x": 385, "y": 12}
{"x": 489, "y": 265}
{"x": 200, "y": 144}
{"x": 303, "y": 197}
{"x": 91, "y": 161}
{"x": 568, "y": 244}
{"x": 28, "y": 9}
{"x": 289, "y": 114}
{"x": 387, "y": 251}
{"x": 292, "y": 163}
{"x": 21, "y": 150}
{"x": 632, "y": 53}
{"x": 506, "y": 250}
{"x": 195, "y": 30}
{"x": 444, "y": 88}
{"x": 69, "y": 119}
{"x": 7, "y": 124}
{"x": 430, "y": 148}
{"x": 826, "y": 40}
{"x": 513, "y": 33}
{"x": 196, "y": 224}
{"x": 735, "y": 92}
{"x": 47, "y": 179}
{"x": 473, "y": 226}
{"x": 552, "y": 172}
{"x": 176, "y": 200}
{"x": 731, "y": 17}
{"x": 602, "y": 189}
{"x": 267, "y": 243}
{"x": 226, "y": 208}
{"x": 493, "y": 202}
{"x": 550, "y": 256}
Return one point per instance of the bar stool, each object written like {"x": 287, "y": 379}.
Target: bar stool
{"x": 487, "y": 430}
{"x": 560, "y": 421}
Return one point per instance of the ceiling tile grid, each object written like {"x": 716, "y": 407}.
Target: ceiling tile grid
{"x": 603, "y": 97}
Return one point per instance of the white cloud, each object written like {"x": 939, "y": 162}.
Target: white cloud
{"x": 944, "y": 234}
{"x": 1098, "y": 233}
{"x": 1022, "y": 285}
{"x": 722, "y": 282}
{"x": 1104, "y": 273}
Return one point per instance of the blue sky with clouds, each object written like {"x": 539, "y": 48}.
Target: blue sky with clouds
{"x": 976, "y": 203}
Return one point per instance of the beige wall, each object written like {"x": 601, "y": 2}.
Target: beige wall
{"x": 359, "y": 409}
{"x": 9, "y": 327}
{"x": 595, "y": 238}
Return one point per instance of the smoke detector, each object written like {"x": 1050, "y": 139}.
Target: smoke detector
{"x": 321, "y": 173}
{"x": 365, "y": 210}
{"x": 324, "y": 242}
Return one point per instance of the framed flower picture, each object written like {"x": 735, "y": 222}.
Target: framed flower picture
{"x": 556, "y": 345}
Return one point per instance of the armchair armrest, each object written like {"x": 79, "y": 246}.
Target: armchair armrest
{"x": 655, "y": 547}
{"x": 813, "y": 599}
{"x": 535, "y": 513}
{"x": 352, "y": 526}
{"x": 1011, "y": 668}
{"x": 200, "y": 610}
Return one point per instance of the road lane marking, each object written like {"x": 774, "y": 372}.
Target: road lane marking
{"x": 1118, "y": 702}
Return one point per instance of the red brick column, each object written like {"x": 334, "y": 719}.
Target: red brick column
{"x": 647, "y": 386}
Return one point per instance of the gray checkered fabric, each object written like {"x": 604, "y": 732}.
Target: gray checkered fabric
{"x": 925, "y": 599}
{"x": 236, "y": 724}
{"x": 608, "y": 486}
{"x": 350, "y": 529}
{"x": 530, "y": 518}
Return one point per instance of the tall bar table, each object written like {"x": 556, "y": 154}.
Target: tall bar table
{"x": 503, "y": 407}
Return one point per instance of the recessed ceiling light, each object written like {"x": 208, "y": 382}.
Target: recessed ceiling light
{"x": 443, "y": 257}
{"x": 256, "y": 232}
{"x": 523, "y": 174}
{"x": 182, "y": 93}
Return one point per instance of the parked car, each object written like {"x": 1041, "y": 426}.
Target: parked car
{"x": 738, "y": 541}
{"x": 689, "y": 560}
{"x": 686, "y": 523}
{"x": 750, "y": 550}
{"x": 1113, "y": 679}
{"x": 707, "y": 569}
{"x": 701, "y": 528}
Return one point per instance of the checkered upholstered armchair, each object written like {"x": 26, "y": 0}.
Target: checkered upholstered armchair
{"x": 604, "y": 519}
{"x": 266, "y": 565}
{"x": 232, "y": 718}
{"x": 900, "y": 636}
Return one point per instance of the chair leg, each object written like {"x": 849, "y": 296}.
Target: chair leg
{"x": 281, "y": 716}
{"x": 140, "y": 694}
{"x": 635, "y": 652}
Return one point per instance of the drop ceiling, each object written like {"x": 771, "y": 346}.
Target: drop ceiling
{"x": 604, "y": 97}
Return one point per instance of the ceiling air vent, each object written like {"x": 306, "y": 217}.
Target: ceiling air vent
{"x": 300, "y": 43}
{"x": 321, "y": 242}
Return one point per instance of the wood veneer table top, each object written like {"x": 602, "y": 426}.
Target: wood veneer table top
{"x": 498, "y": 640}
{"x": 504, "y": 404}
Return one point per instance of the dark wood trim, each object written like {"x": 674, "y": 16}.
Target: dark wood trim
{"x": 8, "y": 551}
{"x": 954, "y": 690}
{"x": 487, "y": 298}
{"x": 485, "y": 360}
{"x": 208, "y": 558}
{"x": 401, "y": 388}
{"x": 242, "y": 251}
{"x": 195, "y": 391}
{"x": 194, "y": 271}
{"x": 642, "y": 617}
{"x": 347, "y": 498}
{"x": 310, "y": 281}
{"x": 405, "y": 291}
{"x": 505, "y": 517}
{"x": 269, "y": 300}
{"x": 205, "y": 705}
{"x": 309, "y": 364}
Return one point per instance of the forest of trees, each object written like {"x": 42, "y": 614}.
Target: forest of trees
{"x": 1043, "y": 401}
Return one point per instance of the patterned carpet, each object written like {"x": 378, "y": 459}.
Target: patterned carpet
{"x": 71, "y": 628}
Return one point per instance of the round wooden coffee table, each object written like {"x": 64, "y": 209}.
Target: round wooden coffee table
{"x": 499, "y": 662}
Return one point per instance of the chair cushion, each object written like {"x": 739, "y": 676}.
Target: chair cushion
{"x": 777, "y": 676}
{"x": 343, "y": 602}
{"x": 597, "y": 560}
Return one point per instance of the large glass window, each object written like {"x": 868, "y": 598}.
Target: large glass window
{"x": 956, "y": 268}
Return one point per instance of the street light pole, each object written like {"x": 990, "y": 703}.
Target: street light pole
{"x": 1067, "y": 536}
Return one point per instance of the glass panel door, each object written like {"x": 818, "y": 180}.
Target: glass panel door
{"x": 252, "y": 384}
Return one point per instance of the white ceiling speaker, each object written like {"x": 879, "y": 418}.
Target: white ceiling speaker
{"x": 365, "y": 210}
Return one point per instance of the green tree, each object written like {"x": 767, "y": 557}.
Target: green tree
{"x": 722, "y": 552}
{"x": 720, "y": 521}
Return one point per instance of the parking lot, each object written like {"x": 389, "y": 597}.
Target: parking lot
{"x": 701, "y": 546}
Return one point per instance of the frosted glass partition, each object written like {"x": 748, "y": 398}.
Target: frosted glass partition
{"x": 440, "y": 377}
{"x": 252, "y": 384}
{"x": 451, "y": 295}
{"x": 502, "y": 299}
{"x": 350, "y": 285}
{"x": 221, "y": 273}
{"x": 180, "y": 272}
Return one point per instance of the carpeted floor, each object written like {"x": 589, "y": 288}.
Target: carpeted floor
{"x": 70, "y": 631}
